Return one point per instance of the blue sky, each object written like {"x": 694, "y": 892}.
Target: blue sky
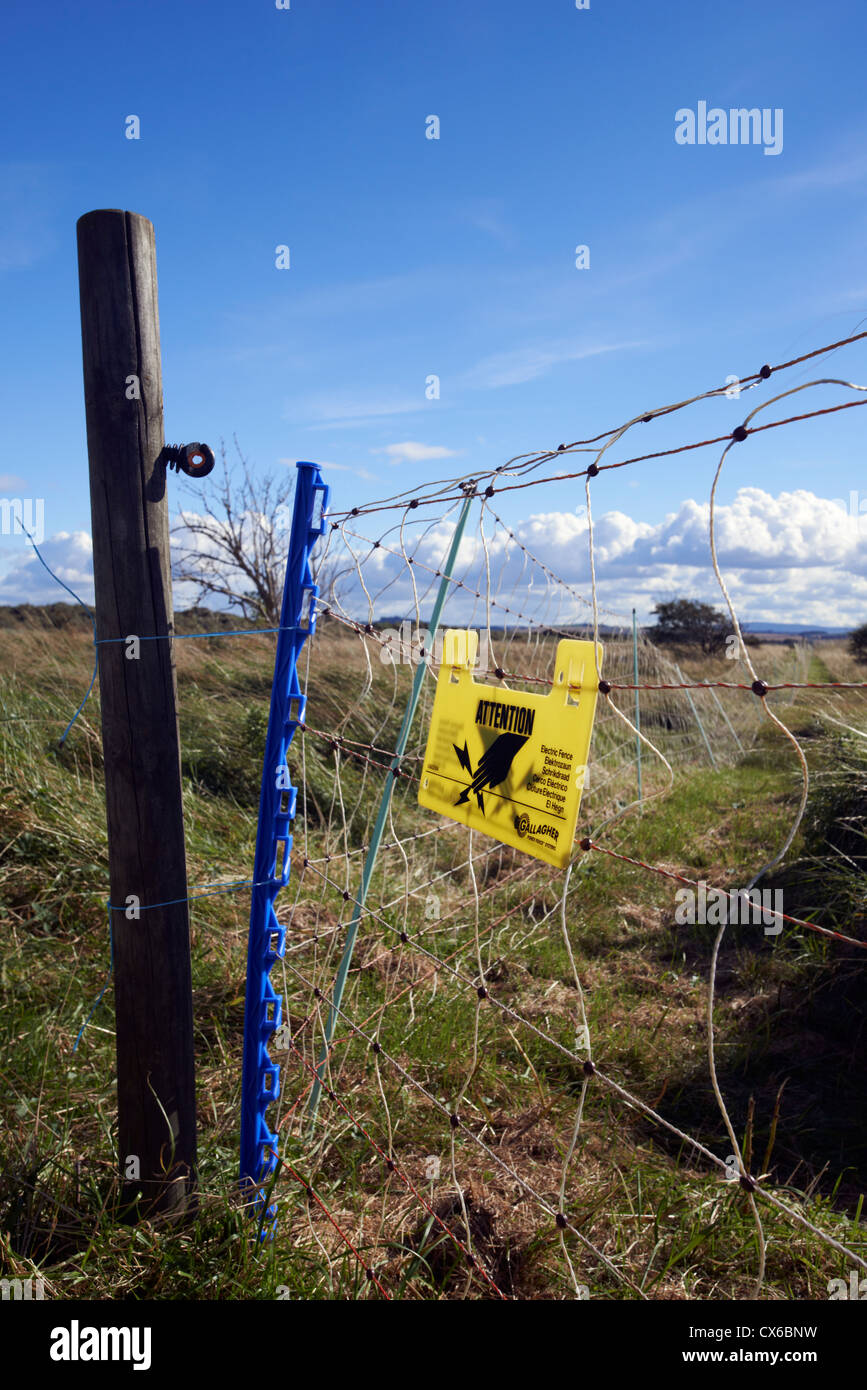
{"x": 456, "y": 257}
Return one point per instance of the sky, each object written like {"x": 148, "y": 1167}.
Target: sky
{"x": 412, "y": 258}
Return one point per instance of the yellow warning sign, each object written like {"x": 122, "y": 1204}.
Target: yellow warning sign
{"x": 509, "y": 764}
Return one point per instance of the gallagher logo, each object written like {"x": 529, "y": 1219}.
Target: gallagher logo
{"x": 524, "y": 827}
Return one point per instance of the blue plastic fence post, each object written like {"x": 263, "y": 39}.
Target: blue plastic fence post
{"x": 262, "y": 1006}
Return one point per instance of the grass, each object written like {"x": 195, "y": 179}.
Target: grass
{"x": 788, "y": 1016}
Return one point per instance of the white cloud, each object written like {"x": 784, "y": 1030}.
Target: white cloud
{"x": 69, "y": 554}
{"x": 844, "y": 171}
{"x": 756, "y": 531}
{"x": 410, "y": 451}
{"x": 518, "y": 365}
{"x": 794, "y": 557}
{"x": 331, "y": 411}
{"x": 488, "y": 215}
{"x": 337, "y": 468}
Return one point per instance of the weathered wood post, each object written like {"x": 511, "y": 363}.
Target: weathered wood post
{"x": 152, "y": 979}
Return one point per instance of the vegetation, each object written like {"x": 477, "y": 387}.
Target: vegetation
{"x": 233, "y": 541}
{"x": 685, "y": 622}
{"x": 858, "y": 643}
{"x": 789, "y": 1016}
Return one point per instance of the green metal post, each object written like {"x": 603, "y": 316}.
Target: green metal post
{"x": 388, "y": 789}
{"x": 637, "y": 703}
{"x": 721, "y": 709}
{"x": 697, "y": 719}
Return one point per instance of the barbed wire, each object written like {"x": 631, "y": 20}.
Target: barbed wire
{"x": 415, "y": 853}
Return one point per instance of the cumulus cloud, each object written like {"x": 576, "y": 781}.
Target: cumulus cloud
{"x": 68, "y": 553}
{"x": 794, "y": 558}
{"x": 757, "y": 530}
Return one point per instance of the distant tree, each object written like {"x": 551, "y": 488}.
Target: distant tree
{"x": 683, "y": 622}
{"x": 233, "y": 542}
{"x": 858, "y": 643}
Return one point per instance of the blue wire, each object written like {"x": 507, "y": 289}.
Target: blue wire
{"x": 217, "y": 888}
{"x": 97, "y": 642}
{"x": 98, "y": 999}
{"x": 156, "y": 637}
{"x": 194, "y": 897}
{"x": 92, "y": 619}
{"x": 185, "y": 636}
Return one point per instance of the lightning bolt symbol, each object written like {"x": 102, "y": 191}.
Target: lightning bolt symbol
{"x": 463, "y": 757}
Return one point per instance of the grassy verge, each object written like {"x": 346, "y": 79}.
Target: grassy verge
{"x": 788, "y": 1017}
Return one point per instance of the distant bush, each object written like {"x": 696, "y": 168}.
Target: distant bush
{"x": 684, "y": 622}
{"x": 72, "y": 615}
{"x": 48, "y": 615}
{"x": 858, "y": 643}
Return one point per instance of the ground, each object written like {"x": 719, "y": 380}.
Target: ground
{"x": 788, "y": 1020}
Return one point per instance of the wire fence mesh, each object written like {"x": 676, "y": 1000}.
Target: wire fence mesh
{"x": 470, "y": 1140}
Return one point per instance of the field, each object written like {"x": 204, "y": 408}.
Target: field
{"x": 384, "y": 1182}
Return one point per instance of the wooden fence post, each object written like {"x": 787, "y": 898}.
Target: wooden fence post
{"x": 138, "y": 692}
